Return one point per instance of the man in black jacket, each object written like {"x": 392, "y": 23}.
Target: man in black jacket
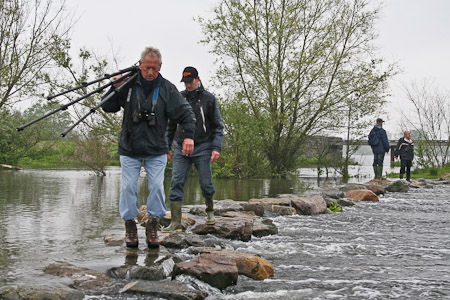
{"x": 148, "y": 102}
{"x": 405, "y": 148}
{"x": 208, "y": 144}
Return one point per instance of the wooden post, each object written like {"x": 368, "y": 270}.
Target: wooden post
{"x": 392, "y": 152}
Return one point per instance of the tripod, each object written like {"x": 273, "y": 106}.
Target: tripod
{"x": 131, "y": 72}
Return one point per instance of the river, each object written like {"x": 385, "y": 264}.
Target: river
{"x": 395, "y": 249}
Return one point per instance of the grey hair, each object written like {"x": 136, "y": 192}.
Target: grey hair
{"x": 152, "y": 52}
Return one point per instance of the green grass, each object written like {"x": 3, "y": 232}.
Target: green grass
{"x": 426, "y": 173}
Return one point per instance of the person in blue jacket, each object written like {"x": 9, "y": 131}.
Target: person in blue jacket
{"x": 380, "y": 145}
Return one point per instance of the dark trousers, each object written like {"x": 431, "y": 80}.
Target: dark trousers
{"x": 405, "y": 164}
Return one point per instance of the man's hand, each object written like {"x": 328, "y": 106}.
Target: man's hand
{"x": 170, "y": 155}
{"x": 188, "y": 146}
{"x": 215, "y": 156}
{"x": 117, "y": 84}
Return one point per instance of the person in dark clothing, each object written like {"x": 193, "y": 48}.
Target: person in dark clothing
{"x": 405, "y": 149}
{"x": 208, "y": 143}
{"x": 380, "y": 145}
{"x": 148, "y": 103}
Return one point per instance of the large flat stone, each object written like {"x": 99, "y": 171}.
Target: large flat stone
{"x": 249, "y": 265}
{"x": 230, "y": 228}
{"x": 218, "y": 271}
{"x": 309, "y": 205}
{"x": 362, "y": 195}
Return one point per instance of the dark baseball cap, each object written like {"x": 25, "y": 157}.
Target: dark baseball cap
{"x": 189, "y": 74}
{"x": 380, "y": 120}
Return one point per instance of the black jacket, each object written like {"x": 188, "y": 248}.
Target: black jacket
{"x": 139, "y": 139}
{"x": 209, "y": 126}
{"x": 404, "y": 149}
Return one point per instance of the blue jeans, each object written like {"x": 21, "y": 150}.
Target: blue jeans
{"x": 378, "y": 159}
{"x": 131, "y": 168}
{"x": 181, "y": 167}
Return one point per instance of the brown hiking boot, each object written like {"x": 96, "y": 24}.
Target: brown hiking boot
{"x": 131, "y": 236}
{"x": 151, "y": 232}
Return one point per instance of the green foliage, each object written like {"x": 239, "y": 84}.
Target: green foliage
{"x": 59, "y": 153}
{"x": 242, "y": 154}
{"x": 395, "y": 163}
{"x": 15, "y": 145}
{"x": 333, "y": 207}
{"x": 288, "y": 67}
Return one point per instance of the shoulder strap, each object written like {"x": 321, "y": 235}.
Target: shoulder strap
{"x": 155, "y": 98}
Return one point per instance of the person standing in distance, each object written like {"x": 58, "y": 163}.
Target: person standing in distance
{"x": 405, "y": 148}
{"x": 208, "y": 144}
{"x": 148, "y": 102}
{"x": 380, "y": 145}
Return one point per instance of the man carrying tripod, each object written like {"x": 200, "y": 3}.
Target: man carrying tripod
{"x": 148, "y": 102}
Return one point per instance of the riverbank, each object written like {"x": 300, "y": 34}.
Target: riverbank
{"x": 279, "y": 210}
{"x": 426, "y": 173}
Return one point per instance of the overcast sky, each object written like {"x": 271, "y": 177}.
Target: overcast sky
{"x": 413, "y": 33}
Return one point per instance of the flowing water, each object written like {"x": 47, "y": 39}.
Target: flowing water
{"x": 397, "y": 248}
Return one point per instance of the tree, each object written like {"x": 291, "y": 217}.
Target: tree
{"x": 288, "y": 61}
{"x": 16, "y": 145}
{"x": 430, "y": 122}
{"x": 359, "y": 110}
{"x": 31, "y": 34}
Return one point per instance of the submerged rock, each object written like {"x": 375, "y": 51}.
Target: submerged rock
{"x": 309, "y": 205}
{"x": 83, "y": 278}
{"x": 362, "y": 195}
{"x": 159, "y": 264}
{"x": 216, "y": 270}
{"x": 40, "y": 293}
{"x": 164, "y": 289}
{"x": 114, "y": 239}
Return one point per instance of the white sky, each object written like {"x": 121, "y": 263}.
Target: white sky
{"x": 414, "y": 33}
